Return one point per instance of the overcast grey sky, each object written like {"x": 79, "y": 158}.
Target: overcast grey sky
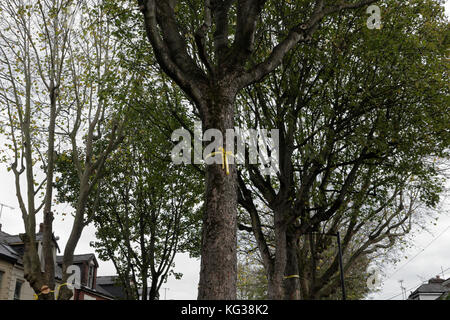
{"x": 428, "y": 257}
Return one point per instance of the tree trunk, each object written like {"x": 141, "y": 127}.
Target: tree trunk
{"x": 154, "y": 289}
{"x": 275, "y": 282}
{"x": 292, "y": 282}
{"x": 145, "y": 290}
{"x": 77, "y": 228}
{"x": 219, "y": 235}
{"x": 32, "y": 267}
{"x": 47, "y": 241}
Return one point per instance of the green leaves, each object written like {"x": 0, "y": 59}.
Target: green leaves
{"x": 375, "y": 100}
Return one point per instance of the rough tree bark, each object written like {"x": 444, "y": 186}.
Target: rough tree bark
{"x": 213, "y": 87}
{"x": 292, "y": 282}
{"x": 218, "y": 254}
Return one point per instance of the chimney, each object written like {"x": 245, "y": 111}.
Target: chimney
{"x": 41, "y": 228}
{"x": 436, "y": 280}
{"x": 0, "y": 227}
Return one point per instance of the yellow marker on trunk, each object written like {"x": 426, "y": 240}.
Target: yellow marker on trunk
{"x": 224, "y": 158}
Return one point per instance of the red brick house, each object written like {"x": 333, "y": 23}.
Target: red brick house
{"x": 89, "y": 289}
{"x": 13, "y": 285}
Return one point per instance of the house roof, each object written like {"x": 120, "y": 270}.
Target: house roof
{"x": 107, "y": 280}
{"x": 16, "y": 241}
{"x": 436, "y": 286}
{"x": 110, "y": 285}
{"x": 9, "y": 251}
{"x": 446, "y": 283}
{"x": 79, "y": 258}
{"x": 104, "y": 292}
{"x": 432, "y": 288}
{"x": 97, "y": 291}
{"x": 15, "y": 238}
{"x": 12, "y": 248}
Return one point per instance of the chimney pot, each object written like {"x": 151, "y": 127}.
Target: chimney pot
{"x": 41, "y": 227}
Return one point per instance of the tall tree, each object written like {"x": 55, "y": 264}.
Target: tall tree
{"x": 209, "y": 48}
{"x": 148, "y": 209}
{"x": 56, "y": 73}
{"x": 359, "y": 136}
{"x": 98, "y": 97}
{"x": 34, "y": 39}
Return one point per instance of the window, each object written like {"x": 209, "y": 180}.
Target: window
{"x": 18, "y": 290}
{"x": 91, "y": 277}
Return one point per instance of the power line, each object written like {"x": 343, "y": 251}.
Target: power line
{"x": 412, "y": 287}
{"x": 421, "y": 251}
{"x": 400, "y": 293}
{"x": 415, "y": 256}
